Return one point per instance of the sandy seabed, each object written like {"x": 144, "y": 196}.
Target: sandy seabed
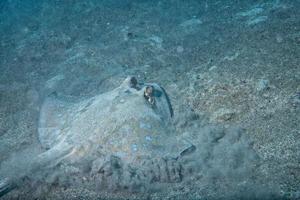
{"x": 227, "y": 63}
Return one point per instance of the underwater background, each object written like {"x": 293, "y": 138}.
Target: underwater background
{"x": 223, "y": 63}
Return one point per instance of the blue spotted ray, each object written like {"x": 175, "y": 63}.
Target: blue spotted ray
{"x": 131, "y": 122}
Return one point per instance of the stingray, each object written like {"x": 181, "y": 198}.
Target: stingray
{"x": 128, "y": 127}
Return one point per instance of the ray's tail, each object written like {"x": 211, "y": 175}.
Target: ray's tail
{"x": 43, "y": 161}
{"x": 6, "y": 186}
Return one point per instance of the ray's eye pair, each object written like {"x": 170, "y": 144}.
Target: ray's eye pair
{"x": 149, "y": 93}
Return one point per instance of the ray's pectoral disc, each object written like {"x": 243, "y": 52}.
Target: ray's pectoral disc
{"x": 130, "y": 122}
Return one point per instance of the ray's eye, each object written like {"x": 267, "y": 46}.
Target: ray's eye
{"x": 149, "y": 94}
{"x": 149, "y": 91}
{"x": 133, "y": 82}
